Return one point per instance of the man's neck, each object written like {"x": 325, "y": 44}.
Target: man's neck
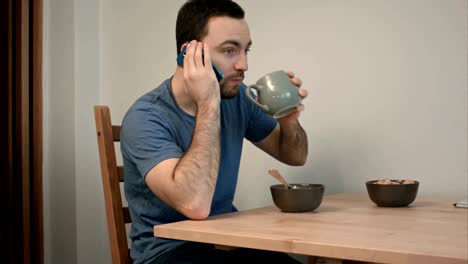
{"x": 182, "y": 98}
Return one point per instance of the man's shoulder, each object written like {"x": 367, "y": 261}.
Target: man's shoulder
{"x": 153, "y": 97}
{"x": 149, "y": 103}
{"x": 148, "y": 114}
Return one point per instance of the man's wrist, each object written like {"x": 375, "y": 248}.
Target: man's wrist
{"x": 208, "y": 106}
{"x": 285, "y": 124}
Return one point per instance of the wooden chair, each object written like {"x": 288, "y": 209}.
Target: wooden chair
{"x": 112, "y": 176}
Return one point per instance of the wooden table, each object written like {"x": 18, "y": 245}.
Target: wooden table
{"x": 346, "y": 226}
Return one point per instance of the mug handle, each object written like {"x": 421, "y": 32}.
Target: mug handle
{"x": 258, "y": 88}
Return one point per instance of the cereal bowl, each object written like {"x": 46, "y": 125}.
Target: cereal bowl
{"x": 299, "y": 198}
{"x": 393, "y": 193}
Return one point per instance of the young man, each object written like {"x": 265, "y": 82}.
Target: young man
{"x": 182, "y": 142}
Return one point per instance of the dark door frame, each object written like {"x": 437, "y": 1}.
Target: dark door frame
{"x": 21, "y": 196}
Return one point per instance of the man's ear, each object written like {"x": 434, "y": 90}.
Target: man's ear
{"x": 183, "y": 46}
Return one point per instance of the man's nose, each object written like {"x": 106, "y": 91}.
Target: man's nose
{"x": 241, "y": 63}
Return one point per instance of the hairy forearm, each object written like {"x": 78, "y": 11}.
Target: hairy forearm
{"x": 293, "y": 146}
{"x": 197, "y": 171}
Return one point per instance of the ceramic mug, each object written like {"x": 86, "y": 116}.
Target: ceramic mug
{"x": 276, "y": 94}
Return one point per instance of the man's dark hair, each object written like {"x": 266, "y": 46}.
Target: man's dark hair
{"x": 193, "y": 17}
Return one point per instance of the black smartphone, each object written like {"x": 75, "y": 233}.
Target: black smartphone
{"x": 180, "y": 62}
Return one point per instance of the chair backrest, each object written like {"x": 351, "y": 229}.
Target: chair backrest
{"x": 112, "y": 176}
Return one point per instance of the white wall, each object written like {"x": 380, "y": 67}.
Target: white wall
{"x": 388, "y": 97}
{"x": 92, "y": 239}
{"x": 75, "y": 225}
{"x": 59, "y": 133}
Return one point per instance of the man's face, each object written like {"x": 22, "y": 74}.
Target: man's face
{"x": 229, "y": 42}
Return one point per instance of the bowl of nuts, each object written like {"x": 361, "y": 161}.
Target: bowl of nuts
{"x": 391, "y": 192}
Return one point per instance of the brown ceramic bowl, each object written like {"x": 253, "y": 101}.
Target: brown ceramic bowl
{"x": 392, "y": 195}
{"x": 300, "y": 198}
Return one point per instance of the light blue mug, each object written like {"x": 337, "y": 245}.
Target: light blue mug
{"x": 276, "y": 94}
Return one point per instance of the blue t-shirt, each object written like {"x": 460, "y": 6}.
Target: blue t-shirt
{"x": 154, "y": 129}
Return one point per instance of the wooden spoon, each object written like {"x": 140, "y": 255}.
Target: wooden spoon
{"x": 276, "y": 174}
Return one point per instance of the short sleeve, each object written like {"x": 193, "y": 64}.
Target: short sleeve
{"x": 147, "y": 139}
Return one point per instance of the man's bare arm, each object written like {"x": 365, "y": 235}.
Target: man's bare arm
{"x": 188, "y": 184}
{"x": 287, "y": 143}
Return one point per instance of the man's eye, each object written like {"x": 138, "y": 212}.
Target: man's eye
{"x": 229, "y": 51}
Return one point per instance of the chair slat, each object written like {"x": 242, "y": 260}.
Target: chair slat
{"x": 116, "y": 133}
{"x": 120, "y": 173}
{"x": 126, "y": 215}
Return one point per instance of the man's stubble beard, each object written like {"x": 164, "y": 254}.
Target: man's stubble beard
{"x": 228, "y": 93}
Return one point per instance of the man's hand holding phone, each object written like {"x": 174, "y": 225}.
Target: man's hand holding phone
{"x": 200, "y": 80}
